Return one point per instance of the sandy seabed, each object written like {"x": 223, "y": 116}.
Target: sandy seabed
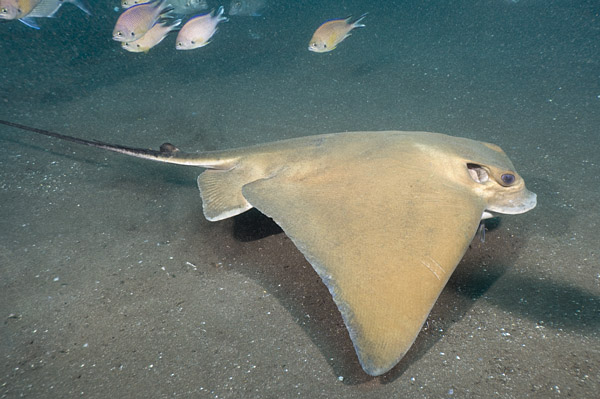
{"x": 114, "y": 285}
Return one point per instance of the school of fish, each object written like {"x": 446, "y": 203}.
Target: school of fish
{"x": 145, "y": 23}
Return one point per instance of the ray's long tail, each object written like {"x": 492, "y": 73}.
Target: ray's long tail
{"x": 167, "y": 153}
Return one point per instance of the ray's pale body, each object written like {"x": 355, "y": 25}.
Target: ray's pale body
{"x": 383, "y": 217}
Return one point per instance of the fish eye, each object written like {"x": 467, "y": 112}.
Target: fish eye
{"x": 508, "y": 178}
{"x": 193, "y": 42}
{"x": 132, "y": 34}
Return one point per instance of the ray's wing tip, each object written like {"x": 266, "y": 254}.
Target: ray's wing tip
{"x": 376, "y": 368}
{"x": 375, "y": 365}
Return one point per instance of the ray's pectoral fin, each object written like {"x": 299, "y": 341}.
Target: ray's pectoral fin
{"x": 385, "y": 246}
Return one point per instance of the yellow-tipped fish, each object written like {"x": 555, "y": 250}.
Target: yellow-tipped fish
{"x": 154, "y": 36}
{"x": 198, "y": 31}
{"x": 332, "y": 33}
{"x": 15, "y": 9}
{"x": 137, "y": 20}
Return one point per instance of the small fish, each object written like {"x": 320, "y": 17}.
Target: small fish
{"x": 332, "y": 33}
{"x": 137, "y": 20}
{"x": 198, "y": 30}
{"x": 48, "y": 8}
{"x": 180, "y": 7}
{"x": 16, "y": 9}
{"x": 247, "y": 8}
{"x": 154, "y": 36}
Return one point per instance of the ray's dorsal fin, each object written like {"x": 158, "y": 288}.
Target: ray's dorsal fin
{"x": 168, "y": 153}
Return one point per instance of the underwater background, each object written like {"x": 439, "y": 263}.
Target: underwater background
{"x": 112, "y": 283}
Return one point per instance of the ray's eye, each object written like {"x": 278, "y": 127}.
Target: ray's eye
{"x": 508, "y": 178}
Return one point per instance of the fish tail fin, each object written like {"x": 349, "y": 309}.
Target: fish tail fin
{"x": 175, "y": 25}
{"x": 167, "y": 16}
{"x": 167, "y": 13}
{"x": 357, "y": 24}
{"x": 171, "y": 23}
{"x": 219, "y": 15}
{"x": 82, "y": 5}
{"x": 164, "y": 6}
{"x": 29, "y": 21}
